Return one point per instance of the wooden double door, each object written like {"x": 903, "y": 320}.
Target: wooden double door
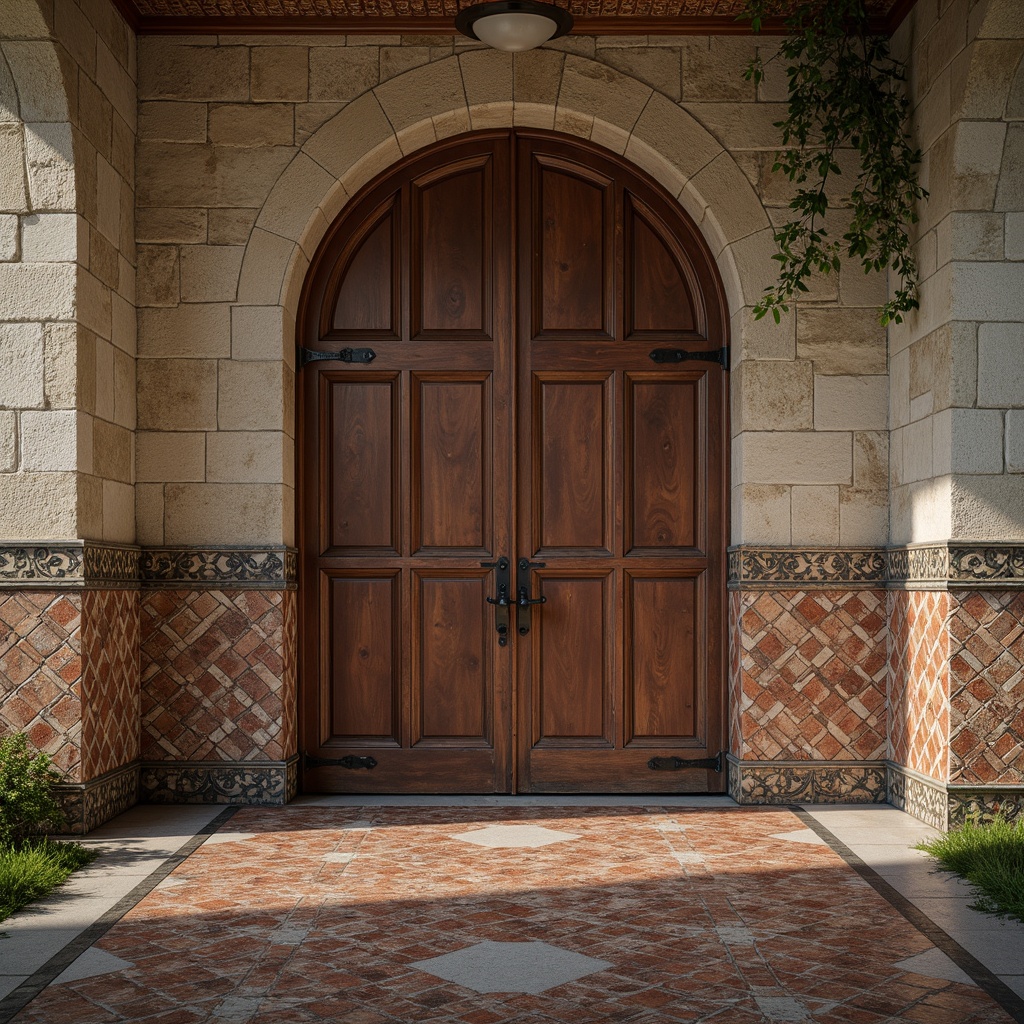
{"x": 502, "y": 435}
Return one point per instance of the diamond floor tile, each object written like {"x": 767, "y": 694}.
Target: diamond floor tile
{"x": 386, "y": 915}
{"x": 515, "y": 836}
{"x": 530, "y": 967}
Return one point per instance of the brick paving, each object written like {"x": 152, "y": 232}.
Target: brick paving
{"x": 310, "y": 914}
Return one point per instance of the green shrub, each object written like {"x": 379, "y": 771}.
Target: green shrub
{"x": 27, "y": 806}
{"x": 35, "y": 869}
{"x": 990, "y": 855}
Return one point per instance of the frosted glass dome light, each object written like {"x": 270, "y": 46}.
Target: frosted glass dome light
{"x": 513, "y": 25}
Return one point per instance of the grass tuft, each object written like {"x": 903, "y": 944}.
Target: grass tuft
{"x": 34, "y": 869}
{"x": 990, "y": 856}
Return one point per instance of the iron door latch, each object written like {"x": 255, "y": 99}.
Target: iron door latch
{"x": 523, "y": 599}
{"x": 351, "y": 761}
{"x": 346, "y": 355}
{"x": 502, "y": 603}
{"x": 675, "y": 764}
{"x": 681, "y": 355}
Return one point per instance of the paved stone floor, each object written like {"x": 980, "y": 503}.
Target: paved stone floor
{"x": 512, "y": 915}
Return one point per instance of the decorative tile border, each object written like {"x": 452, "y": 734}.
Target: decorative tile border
{"x": 88, "y": 805}
{"x": 220, "y": 568}
{"x": 822, "y": 782}
{"x": 219, "y": 782}
{"x": 915, "y": 567}
{"x": 45, "y": 565}
{"x": 943, "y": 806}
{"x": 967, "y": 803}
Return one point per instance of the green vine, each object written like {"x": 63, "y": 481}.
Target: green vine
{"x": 844, "y": 92}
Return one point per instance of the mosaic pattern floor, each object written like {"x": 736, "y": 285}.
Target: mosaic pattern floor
{"x": 531, "y": 915}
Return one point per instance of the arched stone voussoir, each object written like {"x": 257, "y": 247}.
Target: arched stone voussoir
{"x": 429, "y": 91}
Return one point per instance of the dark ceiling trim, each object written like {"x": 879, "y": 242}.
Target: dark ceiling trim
{"x": 439, "y": 26}
{"x": 898, "y": 14}
{"x": 130, "y": 13}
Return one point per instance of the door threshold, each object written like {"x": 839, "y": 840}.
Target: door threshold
{"x": 704, "y": 801}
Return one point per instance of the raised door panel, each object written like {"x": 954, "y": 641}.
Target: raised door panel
{"x": 366, "y": 286}
{"x": 452, "y": 682}
{"x": 572, "y": 470}
{"x": 665, "y": 641}
{"x": 662, "y": 296}
{"x": 573, "y": 250}
{"x": 363, "y": 624}
{"x": 573, "y": 640}
{"x": 451, "y": 447}
{"x": 451, "y": 250}
{"x": 665, "y": 463}
{"x": 361, "y": 464}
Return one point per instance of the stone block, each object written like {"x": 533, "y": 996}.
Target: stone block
{"x": 39, "y": 505}
{"x": 61, "y": 366}
{"x": 921, "y": 406}
{"x": 600, "y": 91}
{"x": 863, "y": 517}
{"x": 164, "y": 457}
{"x": 657, "y": 67}
{"x": 267, "y": 257}
{"x": 157, "y": 275}
{"x": 90, "y": 505}
{"x": 108, "y": 184}
{"x": 1015, "y": 236}
{"x": 358, "y": 130}
{"x": 149, "y": 514}
{"x": 231, "y": 227}
{"x": 795, "y": 457}
{"x": 487, "y": 76}
{"x": 186, "y": 331}
{"x": 977, "y": 157}
{"x": 117, "y": 84}
{"x": 166, "y": 121}
{"x": 118, "y": 512}
{"x": 899, "y": 389}
{"x": 730, "y": 199}
{"x": 175, "y": 70}
{"x": 9, "y": 237}
{"x": 774, "y": 395}
{"x": 1010, "y": 191}
{"x": 297, "y": 195}
{"x": 537, "y": 77}
{"x": 763, "y": 339}
{"x": 988, "y": 508}
{"x": 968, "y": 441}
{"x": 21, "y": 356}
{"x": 50, "y": 166}
{"x": 264, "y": 124}
{"x": 981, "y": 79}
{"x": 396, "y": 60}
{"x": 103, "y": 355}
{"x": 209, "y": 273}
{"x": 569, "y": 122}
{"x": 250, "y": 396}
{"x": 741, "y": 125}
{"x": 37, "y": 291}
{"x": 177, "y": 394}
{"x": 1001, "y": 365}
{"x": 815, "y": 516}
{"x": 342, "y": 74}
{"x": 310, "y": 117}
{"x": 420, "y": 94}
{"x": 172, "y": 174}
{"x": 713, "y": 68}
{"x": 94, "y": 307}
{"x": 13, "y": 191}
{"x": 844, "y": 342}
{"x": 41, "y": 85}
{"x": 196, "y": 514}
{"x": 174, "y": 224}
{"x": 8, "y": 442}
{"x": 851, "y": 403}
{"x": 871, "y": 460}
{"x": 918, "y": 451}
{"x": 761, "y": 515}
{"x": 257, "y": 332}
{"x": 111, "y": 451}
{"x": 246, "y": 457}
{"x": 49, "y": 440}
{"x": 280, "y": 74}
{"x": 1014, "y": 428}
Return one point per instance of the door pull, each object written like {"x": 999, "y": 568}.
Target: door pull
{"x": 675, "y": 764}
{"x": 682, "y": 355}
{"x": 523, "y": 599}
{"x": 346, "y": 355}
{"x": 502, "y": 602}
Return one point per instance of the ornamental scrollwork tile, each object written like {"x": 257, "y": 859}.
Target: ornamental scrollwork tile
{"x": 224, "y": 567}
{"x": 29, "y": 564}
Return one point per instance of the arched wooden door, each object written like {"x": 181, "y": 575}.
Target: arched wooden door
{"x": 511, "y": 439}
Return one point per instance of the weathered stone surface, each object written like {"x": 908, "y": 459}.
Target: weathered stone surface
{"x": 981, "y": 79}
{"x": 10, "y": 238}
{"x": 246, "y": 457}
{"x": 170, "y": 69}
{"x": 116, "y": 83}
{"x": 257, "y": 332}
{"x": 174, "y": 224}
{"x": 422, "y": 93}
{"x": 37, "y": 291}
{"x": 166, "y": 457}
{"x": 21, "y": 356}
{"x": 50, "y": 166}
{"x": 815, "y": 515}
{"x": 1015, "y": 441}
{"x": 250, "y": 396}
{"x": 774, "y": 395}
{"x": 787, "y": 457}
{"x": 177, "y": 394}
{"x": 841, "y": 341}
{"x": 1010, "y": 191}
{"x": 298, "y": 194}
{"x": 13, "y": 190}
{"x": 851, "y": 403}
{"x": 343, "y": 75}
{"x": 157, "y": 280}
{"x": 863, "y": 517}
{"x": 37, "y": 72}
{"x": 39, "y": 505}
{"x": 871, "y": 460}
{"x": 761, "y": 514}
{"x": 111, "y": 451}
{"x": 8, "y": 442}
{"x": 988, "y": 291}
{"x": 49, "y": 440}
{"x": 592, "y": 88}
{"x": 188, "y": 330}
{"x": 118, "y": 512}
{"x": 729, "y": 198}
{"x": 49, "y": 237}
{"x": 1001, "y": 365}
{"x": 657, "y": 67}
{"x": 487, "y": 75}
{"x": 195, "y": 514}
{"x": 280, "y": 73}
{"x": 359, "y": 129}
{"x": 713, "y": 67}
{"x": 231, "y": 227}
{"x": 264, "y": 124}
{"x": 163, "y": 121}
{"x": 267, "y": 257}
{"x": 741, "y": 125}
{"x": 209, "y": 273}
{"x": 60, "y": 368}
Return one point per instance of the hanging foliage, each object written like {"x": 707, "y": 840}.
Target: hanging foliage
{"x": 845, "y": 91}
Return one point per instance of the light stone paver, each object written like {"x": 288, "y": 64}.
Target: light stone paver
{"x": 91, "y": 963}
{"x": 515, "y": 836}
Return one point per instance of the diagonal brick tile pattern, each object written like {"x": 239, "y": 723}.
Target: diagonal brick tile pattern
{"x": 682, "y": 915}
{"x": 918, "y": 687}
{"x": 41, "y": 673}
{"x": 812, "y": 671}
{"x": 214, "y": 678}
{"x": 110, "y": 698}
{"x": 986, "y": 688}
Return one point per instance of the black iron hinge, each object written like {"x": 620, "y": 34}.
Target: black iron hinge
{"x": 675, "y": 764}
{"x": 349, "y": 761}
{"x": 681, "y": 355}
{"x": 346, "y": 355}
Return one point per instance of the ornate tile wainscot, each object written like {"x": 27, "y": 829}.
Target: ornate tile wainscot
{"x": 925, "y": 708}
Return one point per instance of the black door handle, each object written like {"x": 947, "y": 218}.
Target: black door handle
{"x": 501, "y": 602}
{"x": 523, "y": 599}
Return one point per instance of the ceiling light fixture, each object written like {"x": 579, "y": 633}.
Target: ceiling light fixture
{"x": 513, "y": 25}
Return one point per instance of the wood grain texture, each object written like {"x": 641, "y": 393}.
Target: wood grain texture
{"x": 366, "y": 290}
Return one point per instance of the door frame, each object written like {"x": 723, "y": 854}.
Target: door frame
{"x": 713, "y": 292}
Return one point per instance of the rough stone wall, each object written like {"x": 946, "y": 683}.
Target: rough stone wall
{"x": 67, "y": 271}
{"x": 243, "y": 143}
{"x": 957, "y": 383}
